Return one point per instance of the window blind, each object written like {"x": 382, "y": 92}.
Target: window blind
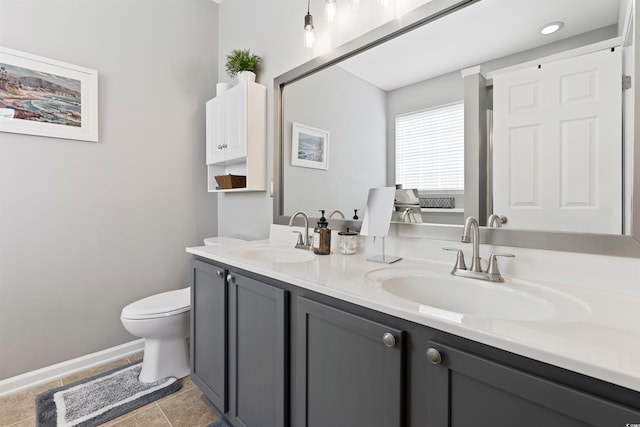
{"x": 430, "y": 148}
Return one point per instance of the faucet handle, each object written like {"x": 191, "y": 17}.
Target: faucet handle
{"x": 460, "y": 264}
{"x": 492, "y": 268}
{"x": 496, "y": 220}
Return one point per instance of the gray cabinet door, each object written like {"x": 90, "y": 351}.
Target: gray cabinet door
{"x": 258, "y": 325}
{"x": 467, "y": 390}
{"x": 208, "y": 332}
{"x": 346, "y": 375}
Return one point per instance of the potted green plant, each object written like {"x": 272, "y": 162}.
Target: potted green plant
{"x": 242, "y": 63}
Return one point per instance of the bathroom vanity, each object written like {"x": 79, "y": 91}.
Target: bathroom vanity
{"x": 281, "y": 337}
{"x": 320, "y": 342}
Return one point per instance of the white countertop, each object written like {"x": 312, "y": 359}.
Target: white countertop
{"x": 603, "y": 343}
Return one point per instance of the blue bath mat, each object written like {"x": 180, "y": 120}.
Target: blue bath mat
{"x": 93, "y": 401}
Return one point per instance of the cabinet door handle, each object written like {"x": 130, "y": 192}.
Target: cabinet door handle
{"x": 219, "y": 274}
{"x": 389, "y": 340}
{"x": 231, "y": 278}
{"x": 433, "y": 356}
{"x": 219, "y": 147}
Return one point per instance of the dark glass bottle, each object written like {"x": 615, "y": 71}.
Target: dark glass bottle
{"x": 322, "y": 237}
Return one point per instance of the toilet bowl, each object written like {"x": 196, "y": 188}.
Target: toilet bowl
{"x": 163, "y": 321}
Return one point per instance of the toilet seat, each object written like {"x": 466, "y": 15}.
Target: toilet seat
{"x": 159, "y": 305}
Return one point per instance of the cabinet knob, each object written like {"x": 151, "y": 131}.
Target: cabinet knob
{"x": 231, "y": 278}
{"x": 219, "y": 274}
{"x": 219, "y": 147}
{"x": 389, "y": 340}
{"x": 434, "y": 356}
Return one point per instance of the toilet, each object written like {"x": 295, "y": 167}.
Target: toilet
{"x": 163, "y": 321}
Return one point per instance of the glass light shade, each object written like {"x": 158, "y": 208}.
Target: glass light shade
{"x": 308, "y": 38}
{"x": 308, "y": 30}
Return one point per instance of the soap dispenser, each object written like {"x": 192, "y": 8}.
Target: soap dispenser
{"x": 322, "y": 237}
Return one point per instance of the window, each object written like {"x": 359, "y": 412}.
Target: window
{"x": 430, "y": 148}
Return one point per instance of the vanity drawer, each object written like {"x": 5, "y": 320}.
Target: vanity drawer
{"x": 465, "y": 389}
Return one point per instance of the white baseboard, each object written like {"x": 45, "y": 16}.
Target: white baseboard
{"x": 60, "y": 370}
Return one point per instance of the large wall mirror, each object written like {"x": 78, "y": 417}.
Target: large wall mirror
{"x": 341, "y": 111}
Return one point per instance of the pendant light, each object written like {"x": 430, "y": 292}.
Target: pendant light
{"x": 308, "y": 27}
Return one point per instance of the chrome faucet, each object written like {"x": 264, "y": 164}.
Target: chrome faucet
{"x": 408, "y": 213}
{"x": 336, "y": 211}
{"x": 471, "y": 226}
{"x": 471, "y": 234}
{"x": 303, "y": 243}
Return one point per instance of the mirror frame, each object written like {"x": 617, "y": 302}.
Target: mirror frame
{"x": 602, "y": 244}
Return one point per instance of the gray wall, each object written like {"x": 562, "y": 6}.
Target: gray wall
{"x": 86, "y": 228}
{"x": 357, "y": 144}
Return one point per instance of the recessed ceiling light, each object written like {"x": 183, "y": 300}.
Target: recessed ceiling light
{"x": 551, "y": 28}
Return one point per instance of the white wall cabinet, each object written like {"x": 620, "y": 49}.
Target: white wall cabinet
{"x": 236, "y": 136}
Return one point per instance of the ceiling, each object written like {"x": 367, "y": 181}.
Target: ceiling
{"x": 481, "y": 32}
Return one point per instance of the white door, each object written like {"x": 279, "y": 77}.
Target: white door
{"x": 235, "y": 108}
{"x": 214, "y": 129}
{"x": 557, "y": 148}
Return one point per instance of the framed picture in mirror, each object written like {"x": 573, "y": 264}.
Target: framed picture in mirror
{"x": 309, "y": 147}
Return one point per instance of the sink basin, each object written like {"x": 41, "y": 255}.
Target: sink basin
{"x": 273, "y": 253}
{"x": 215, "y": 241}
{"x": 446, "y": 296}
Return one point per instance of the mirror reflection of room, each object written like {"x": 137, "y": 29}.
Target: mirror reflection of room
{"x": 374, "y": 107}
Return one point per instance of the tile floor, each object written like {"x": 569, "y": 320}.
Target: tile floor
{"x": 182, "y": 408}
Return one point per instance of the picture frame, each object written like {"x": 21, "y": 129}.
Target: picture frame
{"x": 49, "y": 98}
{"x": 309, "y": 147}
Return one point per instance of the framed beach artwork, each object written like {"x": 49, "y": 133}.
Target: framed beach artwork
{"x": 48, "y": 97}
{"x": 309, "y": 147}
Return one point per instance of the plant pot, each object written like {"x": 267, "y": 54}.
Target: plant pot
{"x": 246, "y": 76}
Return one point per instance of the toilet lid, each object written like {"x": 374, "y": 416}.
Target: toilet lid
{"x": 159, "y": 305}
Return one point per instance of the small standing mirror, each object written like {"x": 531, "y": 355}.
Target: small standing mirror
{"x": 377, "y": 219}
